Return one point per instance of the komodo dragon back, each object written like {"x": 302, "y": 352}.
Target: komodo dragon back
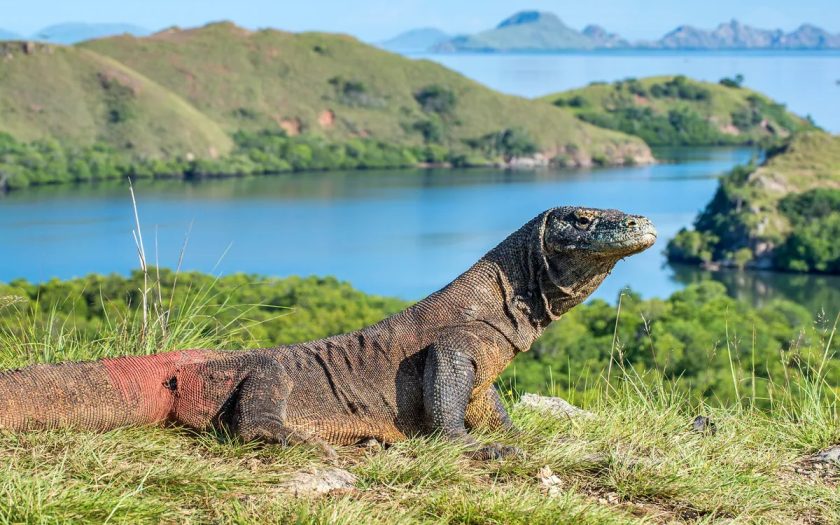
{"x": 427, "y": 369}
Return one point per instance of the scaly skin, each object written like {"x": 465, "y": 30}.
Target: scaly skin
{"x": 429, "y": 368}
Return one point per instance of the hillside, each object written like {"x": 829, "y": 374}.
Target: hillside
{"x": 638, "y": 456}
{"x": 670, "y": 111}
{"x": 782, "y": 215}
{"x": 341, "y": 88}
{"x": 77, "y": 97}
{"x": 221, "y": 100}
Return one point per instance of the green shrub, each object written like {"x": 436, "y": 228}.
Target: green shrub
{"x": 576, "y": 101}
{"x": 694, "y": 338}
{"x": 680, "y": 87}
{"x": 813, "y": 244}
{"x": 683, "y": 127}
{"x": 509, "y": 143}
{"x": 734, "y": 83}
{"x": 354, "y": 93}
{"x": 436, "y": 99}
{"x": 691, "y": 246}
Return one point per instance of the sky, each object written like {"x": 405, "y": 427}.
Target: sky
{"x": 375, "y": 20}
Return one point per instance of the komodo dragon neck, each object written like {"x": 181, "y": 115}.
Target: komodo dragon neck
{"x": 514, "y": 288}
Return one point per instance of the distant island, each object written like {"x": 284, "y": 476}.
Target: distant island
{"x": 75, "y": 32}
{"x": 416, "y": 40}
{"x": 538, "y": 31}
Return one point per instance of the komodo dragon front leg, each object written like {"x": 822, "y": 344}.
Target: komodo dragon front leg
{"x": 449, "y": 384}
{"x": 486, "y": 411}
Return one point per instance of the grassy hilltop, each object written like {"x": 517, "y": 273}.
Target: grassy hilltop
{"x": 79, "y": 98}
{"x": 784, "y": 214}
{"x": 220, "y": 100}
{"x": 338, "y": 87}
{"x": 766, "y": 378}
{"x": 677, "y": 111}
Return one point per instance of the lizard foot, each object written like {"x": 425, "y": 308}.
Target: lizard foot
{"x": 495, "y": 451}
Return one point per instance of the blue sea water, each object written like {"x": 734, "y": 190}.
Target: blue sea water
{"x": 408, "y": 232}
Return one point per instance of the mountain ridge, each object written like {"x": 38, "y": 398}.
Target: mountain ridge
{"x": 545, "y": 31}
{"x": 415, "y": 40}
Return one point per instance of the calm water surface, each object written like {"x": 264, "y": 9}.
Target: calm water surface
{"x": 806, "y": 81}
{"x": 408, "y": 232}
{"x": 402, "y": 232}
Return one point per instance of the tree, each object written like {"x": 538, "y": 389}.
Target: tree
{"x": 436, "y": 99}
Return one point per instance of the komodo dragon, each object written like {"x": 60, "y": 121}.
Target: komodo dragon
{"x": 429, "y": 368}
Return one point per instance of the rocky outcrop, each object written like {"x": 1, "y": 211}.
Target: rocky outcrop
{"x": 603, "y": 39}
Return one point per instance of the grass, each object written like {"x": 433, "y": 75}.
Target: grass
{"x": 635, "y": 461}
{"x": 78, "y": 97}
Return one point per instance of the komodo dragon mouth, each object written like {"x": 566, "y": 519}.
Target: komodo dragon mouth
{"x": 637, "y": 244}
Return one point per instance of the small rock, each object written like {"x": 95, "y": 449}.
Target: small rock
{"x": 550, "y": 483}
{"x": 829, "y": 455}
{"x": 704, "y": 425}
{"x": 553, "y": 405}
{"x": 371, "y": 444}
{"x": 318, "y": 481}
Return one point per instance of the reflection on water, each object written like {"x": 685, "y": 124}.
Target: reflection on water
{"x": 815, "y": 292}
{"x": 403, "y": 233}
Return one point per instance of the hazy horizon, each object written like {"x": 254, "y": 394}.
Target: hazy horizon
{"x": 375, "y": 20}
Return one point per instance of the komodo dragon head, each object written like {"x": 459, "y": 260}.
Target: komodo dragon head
{"x": 560, "y": 257}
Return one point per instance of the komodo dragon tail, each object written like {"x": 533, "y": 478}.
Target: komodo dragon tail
{"x": 99, "y": 395}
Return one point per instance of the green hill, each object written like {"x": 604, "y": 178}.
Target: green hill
{"x": 783, "y": 215}
{"x": 221, "y": 100}
{"x": 77, "y": 97}
{"x": 670, "y": 111}
{"x": 338, "y": 87}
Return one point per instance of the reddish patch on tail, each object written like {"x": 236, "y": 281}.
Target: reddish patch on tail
{"x": 146, "y": 383}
